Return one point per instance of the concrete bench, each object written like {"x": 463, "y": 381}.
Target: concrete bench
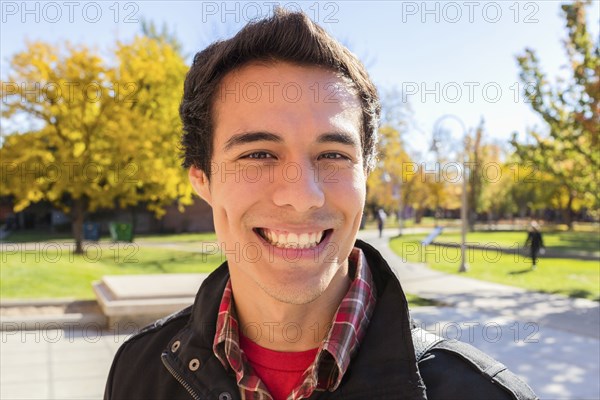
{"x": 142, "y": 299}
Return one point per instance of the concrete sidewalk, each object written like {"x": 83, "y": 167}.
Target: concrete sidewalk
{"x": 553, "y": 342}
{"x": 56, "y": 364}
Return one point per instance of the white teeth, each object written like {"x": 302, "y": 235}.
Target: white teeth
{"x": 303, "y": 241}
{"x": 293, "y": 240}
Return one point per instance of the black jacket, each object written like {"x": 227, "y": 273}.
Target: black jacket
{"x": 534, "y": 239}
{"x": 173, "y": 358}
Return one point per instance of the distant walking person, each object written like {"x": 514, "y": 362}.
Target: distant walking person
{"x": 381, "y": 216}
{"x": 535, "y": 242}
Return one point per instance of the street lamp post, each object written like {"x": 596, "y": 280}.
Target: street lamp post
{"x": 464, "y": 205}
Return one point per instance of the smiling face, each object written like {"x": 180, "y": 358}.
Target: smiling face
{"x": 287, "y": 185}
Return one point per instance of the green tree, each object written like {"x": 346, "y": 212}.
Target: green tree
{"x": 569, "y": 151}
{"x": 107, "y": 135}
{"x": 496, "y": 196}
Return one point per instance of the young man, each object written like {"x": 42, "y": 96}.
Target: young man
{"x": 280, "y": 132}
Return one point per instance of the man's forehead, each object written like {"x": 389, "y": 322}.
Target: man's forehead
{"x": 292, "y": 81}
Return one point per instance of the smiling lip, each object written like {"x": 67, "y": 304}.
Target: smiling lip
{"x": 282, "y": 239}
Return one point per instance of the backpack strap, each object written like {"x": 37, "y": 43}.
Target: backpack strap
{"x": 495, "y": 371}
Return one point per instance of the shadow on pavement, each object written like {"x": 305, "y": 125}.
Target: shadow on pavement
{"x": 555, "y": 363}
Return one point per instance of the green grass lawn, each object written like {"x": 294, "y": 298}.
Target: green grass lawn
{"x": 426, "y": 222}
{"x": 45, "y": 236}
{"x": 575, "y": 278}
{"x": 578, "y": 241}
{"x": 416, "y": 301}
{"x": 179, "y": 238}
{"x": 430, "y": 222}
{"x": 50, "y": 272}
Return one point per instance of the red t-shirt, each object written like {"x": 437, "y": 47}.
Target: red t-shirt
{"x": 280, "y": 371}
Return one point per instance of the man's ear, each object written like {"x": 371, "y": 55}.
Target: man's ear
{"x": 200, "y": 183}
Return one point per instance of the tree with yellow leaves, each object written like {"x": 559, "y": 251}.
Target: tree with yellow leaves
{"x": 386, "y": 182}
{"x": 100, "y": 135}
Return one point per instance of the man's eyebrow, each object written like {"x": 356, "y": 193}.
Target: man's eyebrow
{"x": 338, "y": 137}
{"x": 250, "y": 137}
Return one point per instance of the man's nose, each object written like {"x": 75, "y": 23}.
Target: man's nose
{"x": 299, "y": 187}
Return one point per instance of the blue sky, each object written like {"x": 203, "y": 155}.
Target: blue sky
{"x": 448, "y": 57}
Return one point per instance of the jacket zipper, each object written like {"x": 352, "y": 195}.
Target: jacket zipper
{"x": 179, "y": 378}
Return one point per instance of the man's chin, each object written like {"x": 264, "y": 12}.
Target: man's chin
{"x": 301, "y": 282}
{"x": 299, "y": 296}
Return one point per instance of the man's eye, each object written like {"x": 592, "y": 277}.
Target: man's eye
{"x": 258, "y": 155}
{"x": 333, "y": 156}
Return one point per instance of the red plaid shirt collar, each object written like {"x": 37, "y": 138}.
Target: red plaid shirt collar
{"x": 348, "y": 328}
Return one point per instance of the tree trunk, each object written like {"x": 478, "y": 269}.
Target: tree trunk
{"x": 134, "y": 220}
{"x": 569, "y": 212}
{"x": 418, "y": 215}
{"x": 78, "y": 215}
{"x": 472, "y": 219}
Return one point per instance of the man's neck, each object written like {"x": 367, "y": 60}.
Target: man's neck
{"x": 288, "y": 327}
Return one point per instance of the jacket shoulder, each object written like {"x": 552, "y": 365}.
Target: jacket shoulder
{"x": 173, "y": 319}
{"x": 452, "y": 369}
{"x": 164, "y": 327}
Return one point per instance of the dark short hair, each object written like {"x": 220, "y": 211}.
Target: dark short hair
{"x": 286, "y": 36}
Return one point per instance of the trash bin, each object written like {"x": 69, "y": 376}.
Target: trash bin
{"x": 121, "y": 232}
{"x": 91, "y": 231}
